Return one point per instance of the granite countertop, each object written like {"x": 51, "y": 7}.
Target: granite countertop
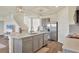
{"x": 22, "y": 35}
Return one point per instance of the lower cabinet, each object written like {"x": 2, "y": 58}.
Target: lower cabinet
{"x": 35, "y": 43}
{"x": 17, "y": 45}
{"x": 45, "y": 39}
{"x": 40, "y": 43}
{"x": 27, "y": 45}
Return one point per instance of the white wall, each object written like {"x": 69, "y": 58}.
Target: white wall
{"x": 63, "y": 24}
{"x": 74, "y": 28}
{"x": 71, "y": 12}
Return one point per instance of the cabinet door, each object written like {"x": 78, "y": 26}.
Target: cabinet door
{"x": 40, "y": 40}
{"x": 16, "y": 45}
{"x": 27, "y": 45}
{"x": 45, "y": 39}
{"x": 35, "y": 43}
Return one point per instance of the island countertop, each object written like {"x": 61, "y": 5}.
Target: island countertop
{"x": 22, "y": 35}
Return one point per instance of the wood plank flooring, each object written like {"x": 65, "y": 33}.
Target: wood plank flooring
{"x": 5, "y": 42}
{"x": 54, "y": 47}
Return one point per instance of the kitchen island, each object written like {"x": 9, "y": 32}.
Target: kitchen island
{"x": 27, "y": 43}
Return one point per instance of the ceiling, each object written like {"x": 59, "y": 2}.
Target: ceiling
{"x": 30, "y": 10}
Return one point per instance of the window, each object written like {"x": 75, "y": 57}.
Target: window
{"x": 27, "y": 21}
{"x": 32, "y": 23}
{"x": 10, "y": 27}
{"x": 36, "y": 24}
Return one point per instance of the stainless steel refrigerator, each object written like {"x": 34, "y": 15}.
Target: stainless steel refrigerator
{"x": 52, "y": 29}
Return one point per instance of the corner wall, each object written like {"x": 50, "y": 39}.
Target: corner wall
{"x": 63, "y": 24}
{"x": 71, "y": 12}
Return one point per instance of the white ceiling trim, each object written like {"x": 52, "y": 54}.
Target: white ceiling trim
{"x": 30, "y": 10}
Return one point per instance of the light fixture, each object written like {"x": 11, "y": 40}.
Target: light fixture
{"x": 19, "y": 9}
{"x": 41, "y": 13}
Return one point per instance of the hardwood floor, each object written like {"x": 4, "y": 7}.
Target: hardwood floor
{"x": 4, "y": 42}
{"x": 53, "y": 47}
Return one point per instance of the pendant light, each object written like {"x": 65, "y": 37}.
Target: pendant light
{"x": 19, "y": 9}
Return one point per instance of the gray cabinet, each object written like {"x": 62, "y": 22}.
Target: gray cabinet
{"x": 30, "y": 44}
{"x": 45, "y": 39}
{"x": 27, "y": 45}
{"x": 35, "y": 43}
{"x": 17, "y": 45}
{"x": 40, "y": 43}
